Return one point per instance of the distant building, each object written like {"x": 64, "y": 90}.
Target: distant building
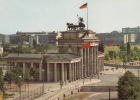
{"x": 32, "y": 38}
{"x": 15, "y": 39}
{"x": 40, "y": 37}
{"x": 6, "y": 39}
{"x": 106, "y": 38}
{"x": 133, "y": 35}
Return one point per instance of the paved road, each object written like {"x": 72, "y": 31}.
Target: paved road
{"x": 110, "y": 79}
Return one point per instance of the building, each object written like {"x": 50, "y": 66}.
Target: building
{"x": 1, "y": 39}
{"x": 28, "y": 37}
{"x": 32, "y": 38}
{"x": 70, "y": 64}
{"x": 107, "y": 38}
{"x": 6, "y": 39}
{"x": 15, "y": 39}
{"x": 132, "y": 35}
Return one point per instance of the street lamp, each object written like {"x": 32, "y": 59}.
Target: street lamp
{"x": 20, "y": 85}
{"x": 43, "y": 79}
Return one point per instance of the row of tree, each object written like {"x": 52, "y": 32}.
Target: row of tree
{"x": 125, "y": 54}
{"x": 16, "y": 76}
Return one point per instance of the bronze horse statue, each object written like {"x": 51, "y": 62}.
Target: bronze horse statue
{"x": 81, "y": 25}
{"x": 71, "y": 26}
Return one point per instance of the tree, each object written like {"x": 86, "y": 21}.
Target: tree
{"x": 27, "y": 79}
{"x": 128, "y": 48}
{"x": 107, "y": 57}
{"x": 122, "y": 48}
{"x": 32, "y": 72}
{"x": 9, "y": 78}
{"x": 128, "y": 87}
{"x": 99, "y": 47}
{"x": 17, "y": 71}
{"x": 34, "y": 43}
{"x": 2, "y": 88}
{"x": 102, "y": 47}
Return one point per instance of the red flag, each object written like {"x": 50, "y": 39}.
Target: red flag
{"x": 83, "y": 6}
{"x": 110, "y": 44}
{"x": 87, "y": 45}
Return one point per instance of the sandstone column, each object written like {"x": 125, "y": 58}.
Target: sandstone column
{"x": 70, "y": 76}
{"x": 48, "y": 73}
{"x": 94, "y": 60}
{"x": 81, "y": 64}
{"x": 7, "y": 66}
{"x": 92, "y": 63}
{"x": 72, "y": 71}
{"x": 85, "y": 63}
{"x": 40, "y": 71}
{"x": 97, "y": 59}
{"x": 23, "y": 69}
{"x": 88, "y": 65}
{"x": 32, "y": 65}
{"x": 55, "y": 72}
{"x": 62, "y": 72}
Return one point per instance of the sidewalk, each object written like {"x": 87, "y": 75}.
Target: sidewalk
{"x": 52, "y": 88}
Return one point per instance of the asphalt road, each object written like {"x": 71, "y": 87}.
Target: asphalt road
{"x": 109, "y": 80}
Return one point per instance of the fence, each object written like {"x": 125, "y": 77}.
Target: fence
{"x": 31, "y": 94}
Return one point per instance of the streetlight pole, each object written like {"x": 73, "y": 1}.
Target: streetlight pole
{"x": 20, "y": 85}
{"x": 43, "y": 79}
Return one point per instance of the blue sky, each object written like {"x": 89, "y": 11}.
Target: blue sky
{"x": 52, "y": 15}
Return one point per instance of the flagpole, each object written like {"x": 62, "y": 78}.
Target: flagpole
{"x": 87, "y": 15}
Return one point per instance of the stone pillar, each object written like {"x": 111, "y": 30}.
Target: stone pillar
{"x": 97, "y": 59}
{"x": 62, "y": 72}
{"x": 94, "y": 60}
{"x": 40, "y": 71}
{"x": 92, "y": 63}
{"x": 48, "y": 73}
{"x": 85, "y": 63}
{"x": 81, "y": 64}
{"x": 32, "y": 64}
{"x": 80, "y": 70}
{"x": 8, "y": 66}
{"x": 23, "y": 69}
{"x": 70, "y": 76}
{"x": 75, "y": 71}
{"x": 72, "y": 71}
{"x": 88, "y": 65}
{"x": 55, "y": 72}
{"x": 65, "y": 72}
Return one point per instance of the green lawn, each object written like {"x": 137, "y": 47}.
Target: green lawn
{"x": 111, "y": 48}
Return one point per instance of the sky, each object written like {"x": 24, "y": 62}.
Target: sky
{"x": 52, "y": 15}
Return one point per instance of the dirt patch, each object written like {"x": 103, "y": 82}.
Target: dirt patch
{"x": 79, "y": 96}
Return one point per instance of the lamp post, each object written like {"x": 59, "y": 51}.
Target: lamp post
{"x": 43, "y": 79}
{"x": 20, "y": 85}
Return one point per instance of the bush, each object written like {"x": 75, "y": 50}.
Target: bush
{"x": 128, "y": 87}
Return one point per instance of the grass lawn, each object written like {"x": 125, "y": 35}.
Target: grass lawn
{"x": 111, "y": 48}
{"x": 52, "y": 47}
{"x": 116, "y": 48}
